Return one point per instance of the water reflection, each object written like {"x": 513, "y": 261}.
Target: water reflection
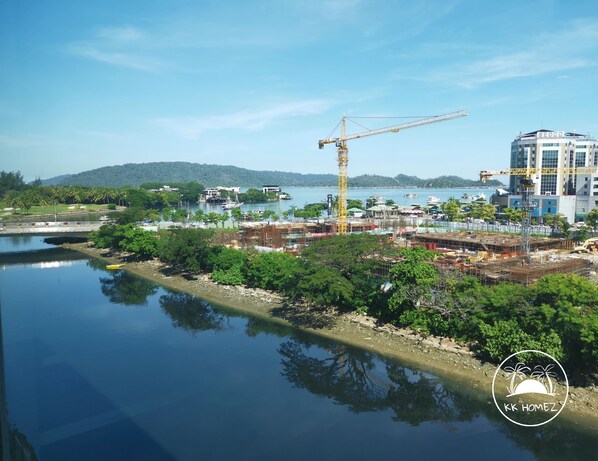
{"x": 364, "y": 383}
{"x": 191, "y": 313}
{"x": 345, "y": 376}
{"x": 127, "y": 289}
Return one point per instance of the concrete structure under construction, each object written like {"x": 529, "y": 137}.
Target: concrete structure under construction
{"x": 558, "y": 149}
{"x": 291, "y": 236}
{"x": 491, "y": 245}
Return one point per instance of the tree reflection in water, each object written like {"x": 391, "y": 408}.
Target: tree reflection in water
{"x": 344, "y": 375}
{"x": 127, "y": 289}
{"x": 192, "y": 314}
{"x": 350, "y": 377}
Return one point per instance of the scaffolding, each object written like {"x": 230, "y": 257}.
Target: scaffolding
{"x": 493, "y": 245}
{"x": 291, "y": 236}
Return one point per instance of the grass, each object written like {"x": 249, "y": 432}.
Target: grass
{"x": 61, "y": 208}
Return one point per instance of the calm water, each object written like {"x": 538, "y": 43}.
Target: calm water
{"x": 303, "y": 195}
{"x": 102, "y": 365}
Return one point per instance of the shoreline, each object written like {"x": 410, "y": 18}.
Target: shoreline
{"x": 437, "y": 355}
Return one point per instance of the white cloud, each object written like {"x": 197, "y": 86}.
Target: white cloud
{"x": 573, "y": 47}
{"x": 516, "y": 65}
{"x": 121, "y": 34}
{"x": 116, "y": 58}
{"x": 194, "y": 127}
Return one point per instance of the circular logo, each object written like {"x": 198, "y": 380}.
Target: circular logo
{"x": 530, "y": 388}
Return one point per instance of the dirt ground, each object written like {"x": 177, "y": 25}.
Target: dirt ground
{"x": 438, "y": 355}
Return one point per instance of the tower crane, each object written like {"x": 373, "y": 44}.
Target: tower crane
{"x": 529, "y": 177}
{"x": 343, "y": 154}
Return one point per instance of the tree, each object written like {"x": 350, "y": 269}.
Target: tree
{"x": 592, "y": 219}
{"x": 354, "y": 203}
{"x": 513, "y": 215}
{"x": 482, "y": 210}
{"x": 452, "y": 209}
{"x": 412, "y": 279}
{"x": 142, "y": 243}
{"x": 272, "y": 271}
{"x": 187, "y": 250}
{"x": 10, "y": 181}
{"x": 358, "y": 258}
{"x": 227, "y": 266}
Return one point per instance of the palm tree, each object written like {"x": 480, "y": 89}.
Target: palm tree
{"x": 544, "y": 372}
{"x": 518, "y": 370}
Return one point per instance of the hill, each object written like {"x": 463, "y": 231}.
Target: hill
{"x": 133, "y": 174}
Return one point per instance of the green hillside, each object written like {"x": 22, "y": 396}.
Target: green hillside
{"x": 133, "y": 174}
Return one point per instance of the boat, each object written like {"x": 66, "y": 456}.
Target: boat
{"x": 114, "y": 266}
{"x": 465, "y": 196}
{"x": 230, "y": 204}
{"x": 432, "y": 200}
{"x": 411, "y": 195}
{"x": 477, "y": 197}
{"x": 285, "y": 196}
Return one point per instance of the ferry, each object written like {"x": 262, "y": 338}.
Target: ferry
{"x": 432, "y": 200}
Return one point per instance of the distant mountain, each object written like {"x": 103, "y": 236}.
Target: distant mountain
{"x": 133, "y": 174}
{"x": 55, "y": 180}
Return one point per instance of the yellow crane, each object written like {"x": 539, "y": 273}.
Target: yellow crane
{"x": 528, "y": 180}
{"x": 343, "y": 154}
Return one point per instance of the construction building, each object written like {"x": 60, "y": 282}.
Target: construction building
{"x": 291, "y": 236}
{"x": 544, "y": 149}
{"x": 487, "y": 245}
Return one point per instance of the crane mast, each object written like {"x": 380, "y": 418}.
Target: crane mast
{"x": 343, "y": 154}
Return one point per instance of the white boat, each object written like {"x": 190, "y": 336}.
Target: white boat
{"x": 432, "y": 200}
{"x": 411, "y": 195}
{"x": 230, "y": 204}
{"x": 481, "y": 196}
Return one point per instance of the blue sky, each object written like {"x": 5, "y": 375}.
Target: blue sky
{"x": 256, "y": 84}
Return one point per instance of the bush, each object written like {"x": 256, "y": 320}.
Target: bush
{"x": 227, "y": 266}
{"x": 187, "y": 250}
{"x": 272, "y": 271}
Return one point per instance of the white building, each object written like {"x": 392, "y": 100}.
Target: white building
{"x": 558, "y": 149}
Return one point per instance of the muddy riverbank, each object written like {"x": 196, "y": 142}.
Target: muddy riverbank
{"x": 440, "y": 356}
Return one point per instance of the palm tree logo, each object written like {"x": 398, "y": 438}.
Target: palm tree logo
{"x": 535, "y": 384}
{"x": 545, "y": 373}
{"x": 516, "y": 371}
{"x": 545, "y": 380}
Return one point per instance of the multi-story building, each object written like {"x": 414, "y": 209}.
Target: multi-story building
{"x": 564, "y": 151}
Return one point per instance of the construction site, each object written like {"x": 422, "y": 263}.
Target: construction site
{"x": 492, "y": 257}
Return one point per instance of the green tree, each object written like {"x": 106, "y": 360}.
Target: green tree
{"x": 412, "y": 279}
{"x": 272, "y": 271}
{"x": 10, "y": 180}
{"x": 227, "y": 266}
{"x": 143, "y": 243}
{"x": 354, "y": 203}
{"x": 236, "y": 214}
{"x": 592, "y": 219}
{"x": 452, "y": 209}
{"x": 513, "y": 215}
{"x": 187, "y": 250}
{"x": 106, "y": 236}
{"x": 359, "y": 259}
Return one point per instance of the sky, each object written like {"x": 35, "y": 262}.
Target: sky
{"x": 256, "y": 84}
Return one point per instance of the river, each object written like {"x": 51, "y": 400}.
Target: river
{"x": 103, "y": 365}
